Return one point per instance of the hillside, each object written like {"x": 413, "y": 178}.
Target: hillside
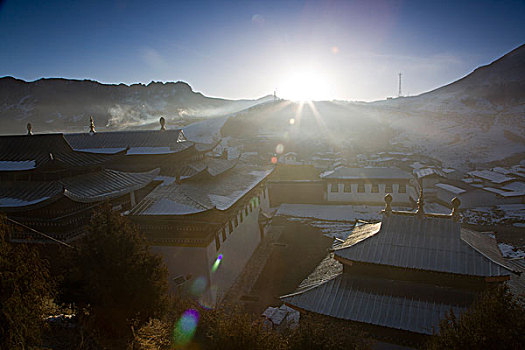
{"x": 476, "y": 120}
{"x": 66, "y": 105}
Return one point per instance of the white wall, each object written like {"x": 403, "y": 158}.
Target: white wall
{"x": 236, "y": 250}
{"x": 368, "y": 196}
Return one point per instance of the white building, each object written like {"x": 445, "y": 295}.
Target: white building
{"x": 369, "y": 186}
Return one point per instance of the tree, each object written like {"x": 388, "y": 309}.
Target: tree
{"x": 24, "y": 288}
{"x": 495, "y": 321}
{"x": 116, "y": 279}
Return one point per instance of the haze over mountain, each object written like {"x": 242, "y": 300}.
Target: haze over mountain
{"x": 478, "y": 119}
{"x": 66, "y": 105}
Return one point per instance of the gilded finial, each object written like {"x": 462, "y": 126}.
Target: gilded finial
{"x": 91, "y": 126}
{"x": 455, "y": 208}
{"x": 162, "y": 123}
{"x": 388, "y": 206}
{"x": 420, "y": 203}
{"x": 29, "y": 129}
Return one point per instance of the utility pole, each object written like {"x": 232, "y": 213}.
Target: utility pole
{"x": 399, "y": 92}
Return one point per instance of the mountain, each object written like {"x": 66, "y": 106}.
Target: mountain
{"x": 473, "y": 121}
{"x": 66, "y": 105}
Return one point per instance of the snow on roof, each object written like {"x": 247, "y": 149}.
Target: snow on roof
{"x": 450, "y": 188}
{"x": 102, "y": 150}
{"x": 6, "y": 202}
{"x": 7, "y": 165}
{"x": 514, "y": 186}
{"x": 491, "y": 176}
{"x": 150, "y": 150}
{"x": 421, "y": 173}
{"x": 501, "y": 170}
{"x": 448, "y": 170}
{"x": 367, "y": 173}
{"x": 504, "y": 193}
{"x": 201, "y": 195}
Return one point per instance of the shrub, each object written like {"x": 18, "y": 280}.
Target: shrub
{"x": 495, "y": 321}
{"x": 24, "y": 290}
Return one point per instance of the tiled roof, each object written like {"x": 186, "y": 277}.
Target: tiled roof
{"x": 85, "y": 188}
{"x": 136, "y": 142}
{"x": 424, "y": 243}
{"x": 409, "y": 306}
{"x": 367, "y": 173}
{"x": 46, "y": 149}
{"x": 200, "y": 195}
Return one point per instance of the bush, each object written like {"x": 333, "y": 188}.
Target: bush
{"x": 24, "y": 290}
{"x": 495, "y": 321}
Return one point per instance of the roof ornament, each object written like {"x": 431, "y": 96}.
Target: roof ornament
{"x": 162, "y": 124}
{"x": 91, "y": 126}
{"x": 420, "y": 203}
{"x": 29, "y": 129}
{"x": 388, "y": 206}
{"x": 455, "y": 208}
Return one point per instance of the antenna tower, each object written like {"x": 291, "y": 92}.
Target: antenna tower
{"x": 399, "y": 92}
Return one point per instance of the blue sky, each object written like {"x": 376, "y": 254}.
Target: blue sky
{"x": 348, "y": 50}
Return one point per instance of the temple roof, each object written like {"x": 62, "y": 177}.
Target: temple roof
{"x": 134, "y": 142}
{"x": 27, "y": 152}
{"x": 405, "y": 305}
{"x": 86, "y": 188}
{"x": 201, "y": 194}
{"x": 422, "y": 242}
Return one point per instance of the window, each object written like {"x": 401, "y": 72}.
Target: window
{"x": 246, "y": 211}
{"x": 230, "y": 227}
{"x": 348, "y": 188}
{"x": 240, "y": 215}
{"x": 388, "y": 188}
{"x": 361, "y": 188}
{"x": 402, "y": 188}
{"x": 375, "y": 188}
{"x": 334, "y": 188}
{"x": 217, "y": 242}
{"x": 236, "y": 221}
{"x": 223, "y": 234}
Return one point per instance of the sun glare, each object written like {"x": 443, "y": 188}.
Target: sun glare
{"x": 305, "y": 85}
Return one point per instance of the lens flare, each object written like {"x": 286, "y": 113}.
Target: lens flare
{"x": 274, "y": 160}
{"x": 216, "y": 263}
{"x": 279, "y": 149}
{"x": 185, "y": 327}
{"x": 292, "y": 121}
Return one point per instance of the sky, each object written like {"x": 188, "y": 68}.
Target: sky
{"x": 346, "y": 50}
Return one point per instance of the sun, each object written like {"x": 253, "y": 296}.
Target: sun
{"x": 307, "y": 84}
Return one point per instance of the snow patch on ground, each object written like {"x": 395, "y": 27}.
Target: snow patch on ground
{"x": 510, "y": 252}
{"x": 500, "y": 214}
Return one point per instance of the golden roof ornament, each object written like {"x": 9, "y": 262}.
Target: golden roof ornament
{"x": 455, "y": 208}
{"x": 29, "y": 129}
{"x": 162, "y": 123}
{"x": 420, "y": 203}
{"x": 91, "y": 126}
{"x": 388, "y": 206}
